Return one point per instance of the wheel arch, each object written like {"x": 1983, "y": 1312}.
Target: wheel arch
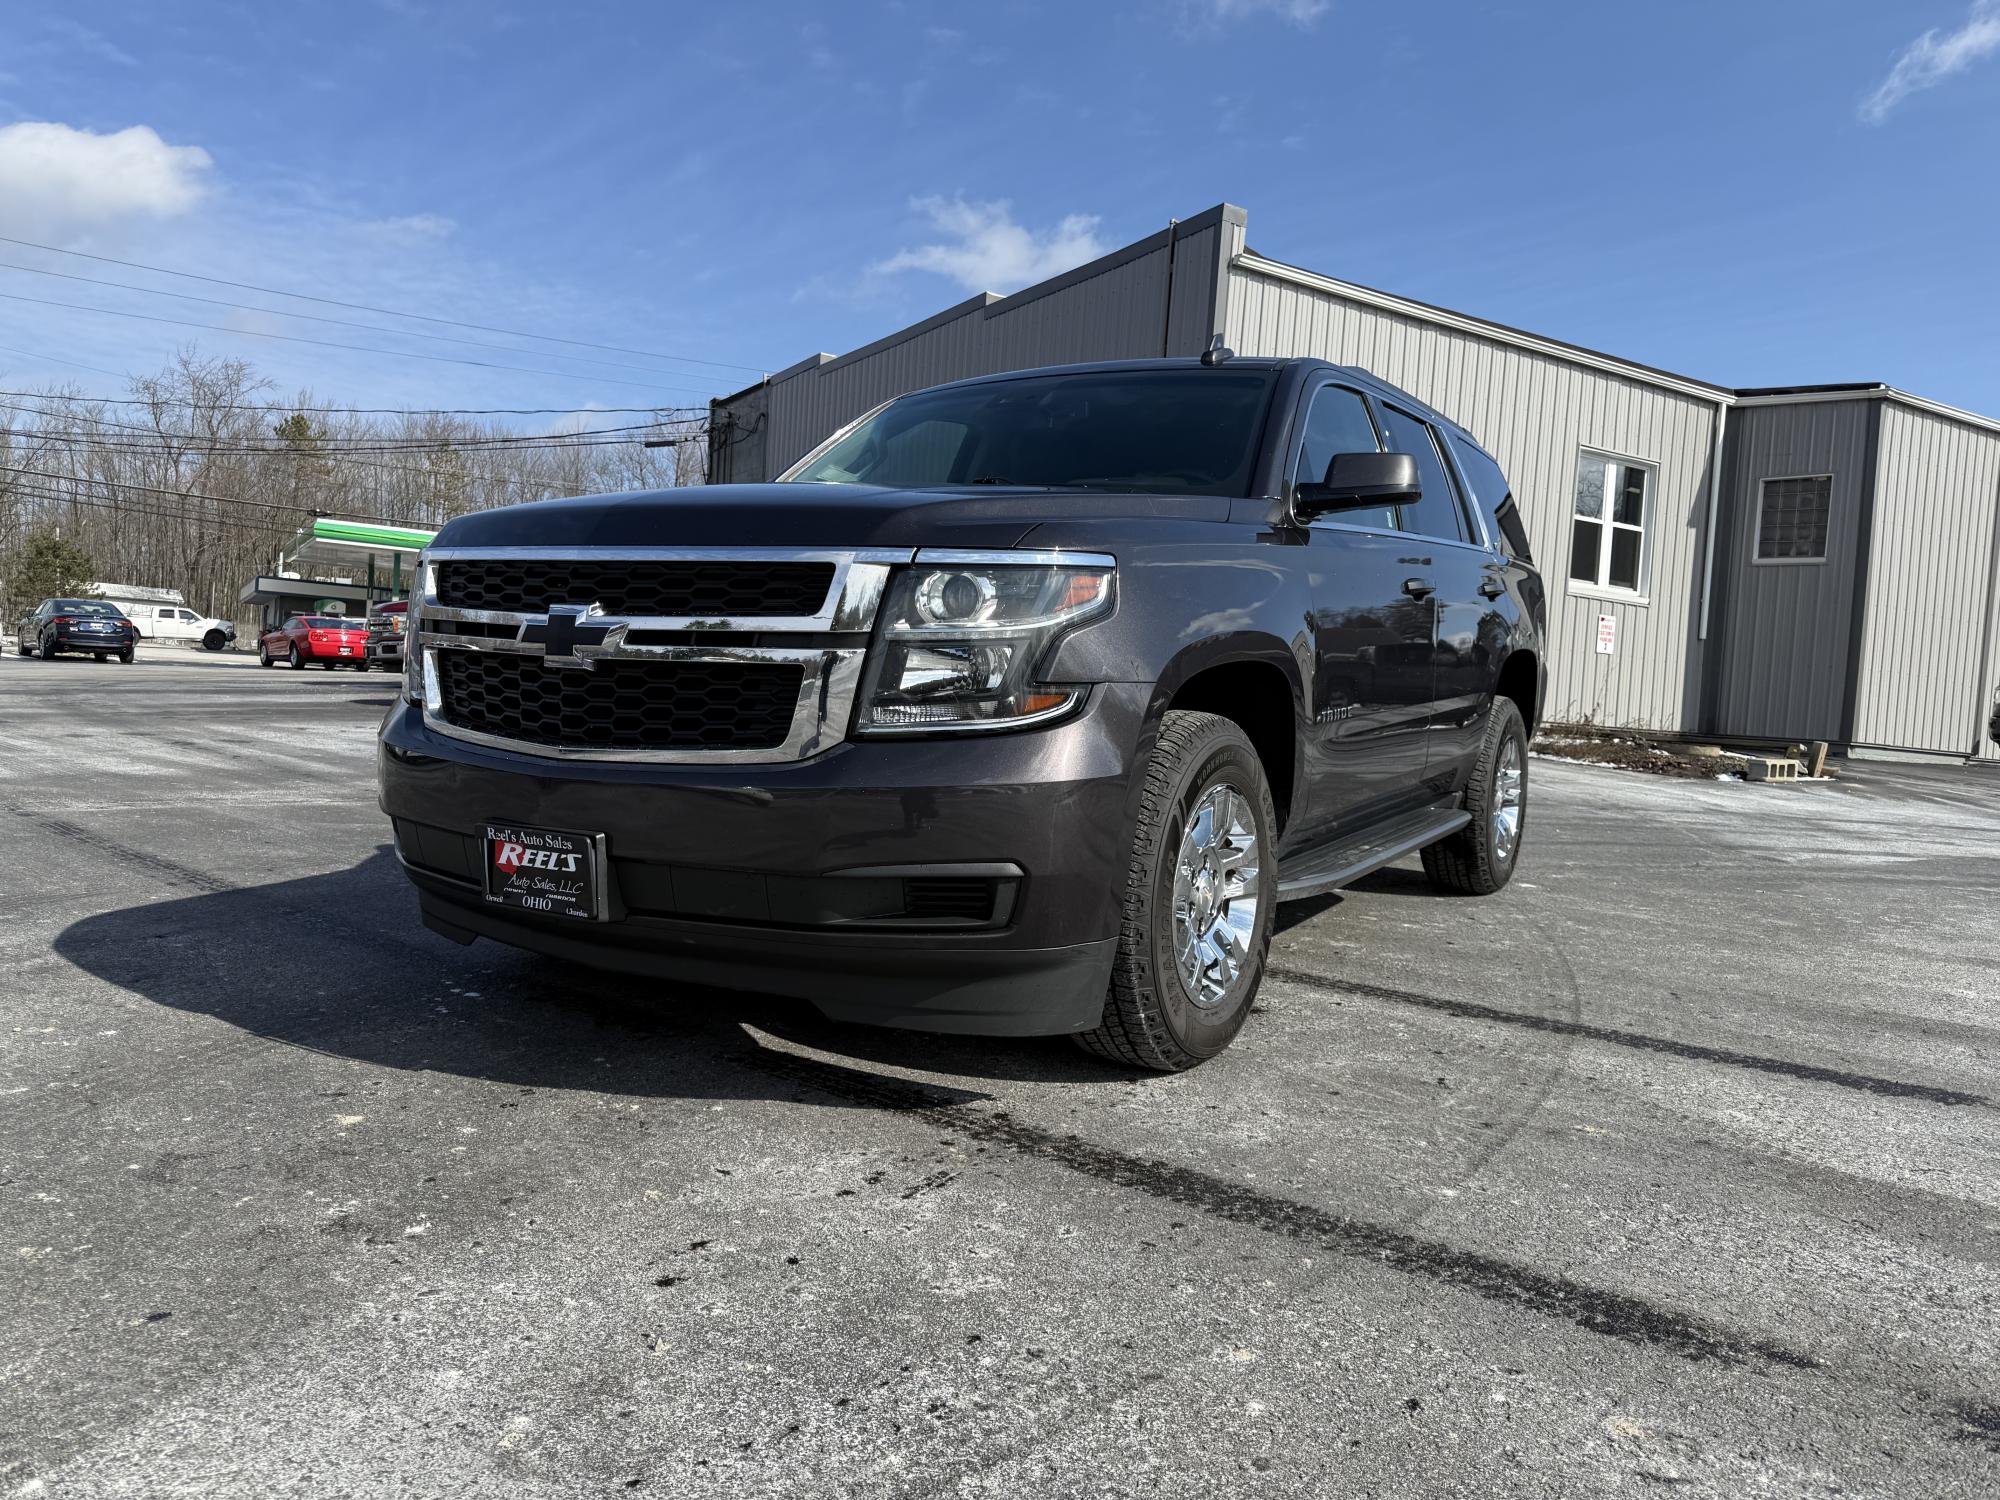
{"x": 1521, "y": 680}
{"x": 1253, "y": 680}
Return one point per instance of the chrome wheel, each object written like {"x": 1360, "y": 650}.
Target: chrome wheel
{"x": 1508, "y": 779}
{"x": 1215, "y": 895}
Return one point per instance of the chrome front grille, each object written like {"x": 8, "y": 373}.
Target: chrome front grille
{"x": 647, "y": 654}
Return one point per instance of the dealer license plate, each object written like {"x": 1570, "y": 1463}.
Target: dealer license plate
{"x": 545, "y": 870}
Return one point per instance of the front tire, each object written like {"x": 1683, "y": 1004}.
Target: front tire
{"x": 1480, "y": 857}
{"x": 213, "y": 641}
{"x": 1199, "y": 896}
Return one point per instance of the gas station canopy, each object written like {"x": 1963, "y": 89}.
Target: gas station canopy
{"x": 337, "y": 567}
{"x": 331, "y": 547}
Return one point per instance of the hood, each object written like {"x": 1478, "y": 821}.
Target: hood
{"x": 804, "y": 515}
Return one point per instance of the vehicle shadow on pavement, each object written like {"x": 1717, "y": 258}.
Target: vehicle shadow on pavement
{"x": 339, "y": 964}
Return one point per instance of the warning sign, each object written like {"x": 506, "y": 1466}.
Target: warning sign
{"x": 1607, "y": 634}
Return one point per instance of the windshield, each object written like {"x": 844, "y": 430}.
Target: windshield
{"x": 91, "y": 607}
{"x": 1186, "y": 431}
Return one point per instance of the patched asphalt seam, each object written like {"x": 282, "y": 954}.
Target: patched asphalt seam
{"x": 1611, "y": 1314}
{"x": 1472, "y": 1011}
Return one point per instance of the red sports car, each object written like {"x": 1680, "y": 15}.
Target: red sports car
{"x": 330, "y": 640}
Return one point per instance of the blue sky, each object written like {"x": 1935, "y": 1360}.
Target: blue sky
{"x": 1753, "y": 193}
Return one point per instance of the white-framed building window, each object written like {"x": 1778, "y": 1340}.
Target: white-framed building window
{"x": 1793, "y": 512}
{"x": 1611, "y": 515}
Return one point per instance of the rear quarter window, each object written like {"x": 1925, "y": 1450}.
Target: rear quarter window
{"x": 1489, "y": 489}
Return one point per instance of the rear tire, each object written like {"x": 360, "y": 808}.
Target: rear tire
{"x": 1480, "y": 857}
{"x": 125, "y": 658}
{"x": 297, "y": 661}
{"x": 1197, "y": 904}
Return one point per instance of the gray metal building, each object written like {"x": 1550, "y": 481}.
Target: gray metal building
{"x": 1809, "y": 563}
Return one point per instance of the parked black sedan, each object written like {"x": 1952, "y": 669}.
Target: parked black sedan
{"x": 58, "y": 625}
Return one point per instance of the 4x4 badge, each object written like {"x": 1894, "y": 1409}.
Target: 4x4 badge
{"x": 569, "y": 626}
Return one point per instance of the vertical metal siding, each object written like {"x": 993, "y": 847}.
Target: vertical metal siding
{"x": 1927, "y": 591}
{"x": 1787, "y": 629}
{"x": 737, "y": 428}
{"x": 1534, "y": 412}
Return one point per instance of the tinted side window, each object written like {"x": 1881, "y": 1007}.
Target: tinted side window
{"x": 1437, "y": 513}
{"x": 1489, "y": 489}
{"x": 1338, "y": 422}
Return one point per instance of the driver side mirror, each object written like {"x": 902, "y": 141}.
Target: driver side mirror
{"x": 1360, "y": 481}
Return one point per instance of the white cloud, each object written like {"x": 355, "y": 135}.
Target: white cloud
{"x": 411, "y": 227}
{"x": 1208, "y": 15}
{"x": 987, "y": 251}
{"x": 1932, "y": 58}
{"x": 79, "y": 36}
{"x": 56, "y": 181}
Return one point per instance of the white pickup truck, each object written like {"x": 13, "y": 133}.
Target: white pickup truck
{"x": 175, "y": 622}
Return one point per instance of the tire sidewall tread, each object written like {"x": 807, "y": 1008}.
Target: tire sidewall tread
{"x": 1147, "y": 1017}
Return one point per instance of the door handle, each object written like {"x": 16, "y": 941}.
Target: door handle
{"x": 1491, "y": 588}
{"x": 1419, "y": 588}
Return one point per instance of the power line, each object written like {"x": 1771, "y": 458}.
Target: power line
{"x": 56, "y": 360}
{"x": 128, "y": 484}
{"x": 540, "y": 487}
{"x": 401, "y": 333}
{"x": 295, "y": 338}
{"x": 132, "y": 507}
{"x": 386, "y": 311}
{"x": 328, "y": 443}
{"x": 356, "y": 411}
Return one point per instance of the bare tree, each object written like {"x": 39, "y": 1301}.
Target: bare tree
{"x": 198, "y": 481}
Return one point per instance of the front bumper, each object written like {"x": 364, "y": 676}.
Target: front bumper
{"x": 745, "y": 877}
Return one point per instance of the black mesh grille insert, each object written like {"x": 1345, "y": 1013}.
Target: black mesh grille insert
{"x": 621, "y": 705}
{"x": 967, "y": 898}
{"x": 702, "y": 590}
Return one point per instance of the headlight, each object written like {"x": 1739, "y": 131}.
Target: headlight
{"x": 960, "y": 644}
{"x": 413, "y": 655}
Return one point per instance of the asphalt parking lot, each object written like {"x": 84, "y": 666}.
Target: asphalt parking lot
{"x": 1673, "y": 1169}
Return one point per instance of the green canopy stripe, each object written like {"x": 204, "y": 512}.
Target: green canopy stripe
{"x": 324, "y": 530}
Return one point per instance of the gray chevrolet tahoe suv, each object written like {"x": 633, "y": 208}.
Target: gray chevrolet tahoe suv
{"x": 1014, "y": 708}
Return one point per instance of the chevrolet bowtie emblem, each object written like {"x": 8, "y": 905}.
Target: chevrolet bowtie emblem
{"x": 569, "y": 627}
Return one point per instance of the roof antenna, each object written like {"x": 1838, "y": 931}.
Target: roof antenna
{"x": 1216, "y": 352}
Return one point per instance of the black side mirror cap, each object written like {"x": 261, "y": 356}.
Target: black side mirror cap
{"x": 1360, "y": 481}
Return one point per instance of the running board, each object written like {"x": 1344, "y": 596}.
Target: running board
{"x": 1328, "y": 867}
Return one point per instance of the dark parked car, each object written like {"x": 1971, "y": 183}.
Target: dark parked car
{"x": 1059, "y": 682}
{"x": 385, "y": 636}
{"x": 331, "y": 640}
{"x": 58, "y": 625}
